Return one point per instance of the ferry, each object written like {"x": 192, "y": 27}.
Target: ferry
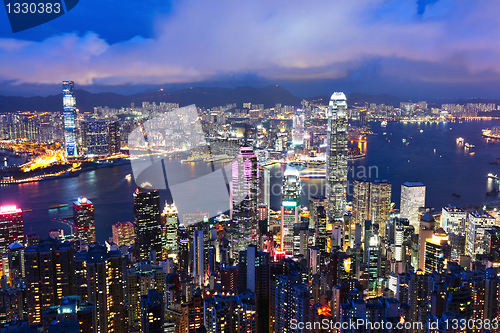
{"x": 355, "y": 157}
{"x": 460, "y": 141}
{"x": 128, "y": 177}
{"x": 383, "y": 123}
{"x": 312, "y": 173}
{"x": 404, "y": 140}
{"x": 58, "y": 206}
{"x": 492, "y": 176}
{"x": 488, "y": 133}
{"x": 469, "y": 145}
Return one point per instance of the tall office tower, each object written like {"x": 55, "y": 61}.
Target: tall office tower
{"x": 336, "y": 163}
{"x": 253, "y": 275}
{"x": 479, "y": 222}
{"x": 140, "y": 279}
{"x": 437, "y": 252}
{"x": 69, "y": 105}
{"x": 11, "y": 227}
{"x": 198, "y": 258}
{"x": 298, "y": 130}
{"x": 147, "y": 224}
{"x": 314, "y": 203}
{"x": 360, "y": 201}
{"x": 380, "y": 204}
{"x": 290, "y": 209}
{"x": 99, "y": 279}
{"x": 362, "y": 117}
{"x": 231, "y": 313}
{"x": 95, "y": 137}
{"x": 373, "y": 255}
{"x": 244, "y": 197}
{"x": 492, "y": 292}
{"x": 84, "y": 219}
{"x": 169, "y": 227}
{"x": 453, "y": 220}
{"x": 419, "y": 293}
{"x": 265, "y": 186}
{"x": 400, "y": 228}
{"x": 49, "y": 276}
{"x": 183, "y": 245}
{"x": 114, "y": 138}
{"x": 153, "y": 312}
{"x": 123, "y": 233}
{"x": 412, "y": 198}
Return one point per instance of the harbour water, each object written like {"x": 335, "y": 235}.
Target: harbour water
{"x": 430, "y": 155}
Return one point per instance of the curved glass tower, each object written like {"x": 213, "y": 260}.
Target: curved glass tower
{"x": 336, "y": 159}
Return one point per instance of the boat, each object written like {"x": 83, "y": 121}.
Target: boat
{"x": 469, "y": 145}
{"x": 383, "y": 123}
{"x": 455, "y": 195}
{"x": 355, "y": 157}
{"x": 27, "y": 210}
{"x": 58, "y": 206}
{"x": 460, "y": 141}
{"x": 496, "y": 161}
{"x": 128, "y": 177}
{"x": 492, "y": 176}
{"x": 312, "y": 173}
{"x": 421, "y": 131}
{"x": 492, "y": 192}
{"x": 404, "y": 140}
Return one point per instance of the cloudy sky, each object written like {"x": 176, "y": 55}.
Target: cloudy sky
{"x": 410, "y": 48}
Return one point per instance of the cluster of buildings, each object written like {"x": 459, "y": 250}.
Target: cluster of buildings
{"x": 315, "y": 266}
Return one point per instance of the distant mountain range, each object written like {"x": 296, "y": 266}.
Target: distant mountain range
{"x": 200, "y": 96}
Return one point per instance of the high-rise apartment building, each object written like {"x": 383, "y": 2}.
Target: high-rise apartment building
{"x": 244, "y": 199}
{"x": 84, "y": 219}
{"x": 147, "y": 224}
{"x": 69, "y": 105}
{"x": 100, "y": 137}
{"x": 336, "y": 162}
{"x": 49, "y": 277}
{"x": 360, "y": 201}
{"x": 231, "y": 313}
{"x": 123, "y": 233}
{"x": 412, "y": 198}
{"x": 99, "y": 279}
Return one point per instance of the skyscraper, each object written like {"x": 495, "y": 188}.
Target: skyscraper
{"x": 114, "y": 139}
{"x": 360, "y": 201}
{"x": 169, "y": 225}
{"x": 49, "y": 276}
{"x": 198, "y": 258}
{"x": 380, "y": 204}
{"x": 123, "y": 233}
{"x": 453, "y": 220}
{"x": 95, "y": 137}
{"x": 11, "y": 227}
{"x": 298, "y": 130}
{"x": 290, "y": 209}
{"x": 336, "y": 163}
{"x": 147, "y": 224}
{"x": 478, "y": 222}
{"x": 84, "y": 219}
{"x": 412, "y": 198}
{"x": 69, "y": 105}
{"x": 437, "y": 252}
{"x": 244, "y": 199}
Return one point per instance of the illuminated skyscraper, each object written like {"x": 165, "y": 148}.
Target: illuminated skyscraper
{"x": 123, "y": 233}
{"x": 478, "y": 222}
{"x": 336, "y": 163}
{"x": 453, "y": 220}
{"x": 147, "y": 224}
{"x": 437, "y": 252}
{"x": 298, "y": 130}
{"x": 371, "y": 201}
{"x": 244, "y": 198}
{"x": 412, "y": 198}
{"x": 169, "y": 225}
{"x": 95, "y": 137}
{"x": 198, "y": 258}
{"x": 290, "y": 209}
{"x": 69, "y": 105}
{"x": 49, "y": 276}
{"x": 84, "y": 220}
{"x": 11, "y": 227}
{"x": 360, "y": 201}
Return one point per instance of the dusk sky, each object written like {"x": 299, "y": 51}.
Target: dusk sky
{"x": 413, "y": 49}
